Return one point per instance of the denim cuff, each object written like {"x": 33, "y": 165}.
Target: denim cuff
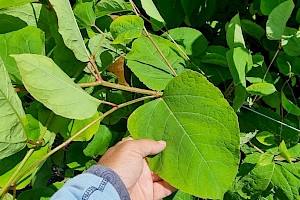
{"x": 112, "y": 177}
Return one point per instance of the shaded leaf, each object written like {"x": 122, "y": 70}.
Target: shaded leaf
{"x": 75, "y": 158}
{"x": 191, "y": 41}
{"x": 289, "y": 106}
{"x": 198, "y": 12}
{"x": 14, "y": 43}
{"x": 190, "y": 110}
{"x": 266, "y": 6}
{"x": 126, "y": 28}
{"x": 262, "y": 88}
{"x": 277, "y": 20}
{"x": 99, "y": 143}
{"x": 43, "y": 193}
{"x": 9, "y": 166}
{"x": 148, "y": 65}
{"x": 291, "y": 42}
{"x": 69, "y": 30}
{"x": 252, "y": 29}
{"x": 12, "y": 117}
{"x": 215, "y": 55}
{"x": 47, "y": 83}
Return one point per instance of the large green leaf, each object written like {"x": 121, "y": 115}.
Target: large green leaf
{"x": 69, "y": 30}
{"x": 215, "y": 55}
{"x": 191, "y": 41}
{"x": 14, "y": 43}
{"x": 6, "y": 4}
{"x": 202, "y": 135}
{"x": 234, "y": 34}
{"x": 12, "y": 117}
{"x": 47, "y": 83}
{"x": 106, "y": 7}
{"x": 126, "y": 28}
{"x": 147, "y": 64}
{"x": 85, "y": 14}
{"x": 252, "y": 29}
{"x": 277, "y": 20}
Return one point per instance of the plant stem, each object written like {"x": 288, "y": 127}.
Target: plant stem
{"x": 7, "y": 186}
{"x": 92, "y": 61}
{"x": 122, "y": 87}
{"x": 151, "y": 39}
{"x": 97, "y": 28}
{"x": 272, "y": 61}
{"x": 64, "y": 144}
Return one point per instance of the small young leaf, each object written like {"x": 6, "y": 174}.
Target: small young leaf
{"x": 262, "y": 88}
{"x": 278, "y": 18}
{"x": 151, "y": 10}
{"x": 283, "y": 151}
{"x": 266, "y": 138}
{"x": 12, "y": 118}
{"x": 148, "y": 65}
{"x": 126, "y": 28}
{"x": 99, "y": 143}
{"x": 106, "y": 7}
{"x": 6, "y": 4}
{"x": 47, "y": 83}
{"x": 77, "y": 125}
{"x": 85, "y": 14}
{"x": 289, "y": 106}
{"x": 69, "y": 30}
{"x": 192, "y": 41}
{"x": 234, "y": 34}
{"x": 194, "y": 111}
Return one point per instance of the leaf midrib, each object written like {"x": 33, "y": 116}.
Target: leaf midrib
{"x": 167, "y": 106}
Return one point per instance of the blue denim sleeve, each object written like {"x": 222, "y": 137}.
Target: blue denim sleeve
{"x": 98, "y": 182}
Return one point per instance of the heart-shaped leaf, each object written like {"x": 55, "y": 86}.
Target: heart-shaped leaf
{"x": 202, "y": 135}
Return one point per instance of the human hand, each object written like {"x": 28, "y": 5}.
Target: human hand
{"x": 128, "y": 159}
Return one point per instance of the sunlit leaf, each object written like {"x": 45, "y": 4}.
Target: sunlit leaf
{"x": 200, "y": 162}
{"x": 262, "y": 88}
{"x": 289, "y": 106}
{"x": 47, "y": 83}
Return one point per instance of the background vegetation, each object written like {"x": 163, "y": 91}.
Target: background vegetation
{"x": 217, "y": 79}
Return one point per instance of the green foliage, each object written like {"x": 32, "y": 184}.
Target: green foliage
{"x": 200, "y": 132}
{"x": 76, "y": 77}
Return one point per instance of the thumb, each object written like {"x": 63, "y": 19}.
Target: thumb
{"x": 146, "y": 147}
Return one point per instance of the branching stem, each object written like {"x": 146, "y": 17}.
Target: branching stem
{"x": 67, "y": 142}
{"x": 122, "y": 87}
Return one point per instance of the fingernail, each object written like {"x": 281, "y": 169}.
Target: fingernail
{"x": 162, "y": 143}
